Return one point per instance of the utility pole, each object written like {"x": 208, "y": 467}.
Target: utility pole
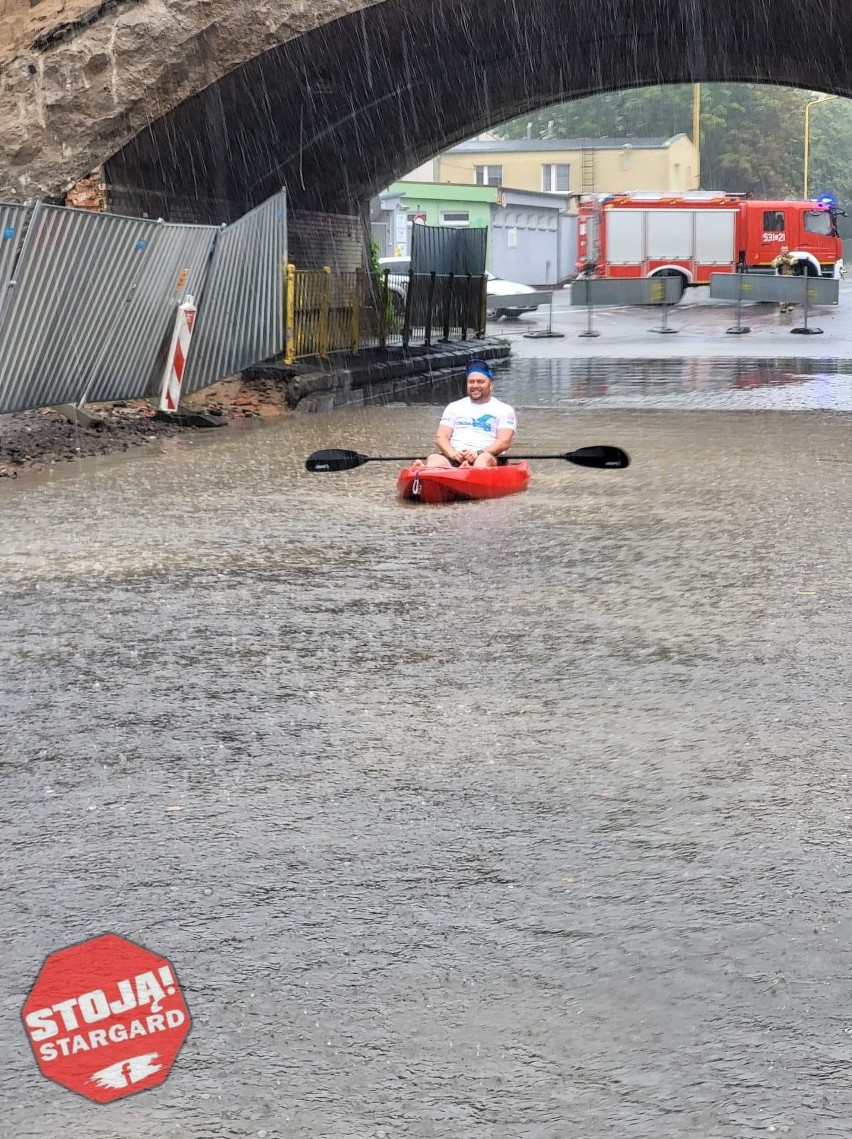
{"x": 813, "y": 103}
{"x": 696, "y": 131}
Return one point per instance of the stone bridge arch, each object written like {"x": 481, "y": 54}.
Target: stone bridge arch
{"x": 221, "y": 103}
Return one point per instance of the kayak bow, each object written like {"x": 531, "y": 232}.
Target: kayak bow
{"x": 454, "y": 484}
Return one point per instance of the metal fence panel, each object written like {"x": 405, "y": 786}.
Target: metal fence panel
{"x": 331, "y": 311}
{"x": 241, "y": 308}
{"x": 61, "y": 312}
{"x": 345, "y": 297}
{"x": 767, "y": 287}
{"x": 174, "y": 267}
{"x": 326, "y": 312}
{"x": 13, "y": 224}
{"x": 95, "y": 295}
{"x": 309, "y": 300}
{"x": 441, "y": 306}
{"x": 444, "y": 250}
{"x": 517, "y": 300}
{"x": 644, "y": 291}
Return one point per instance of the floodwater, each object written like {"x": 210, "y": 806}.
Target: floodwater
{"x": 676, "y": 383}
{"x": 527, "y": 818}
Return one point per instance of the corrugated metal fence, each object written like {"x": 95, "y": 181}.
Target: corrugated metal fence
{"x": 13, "y": 225}
{"x": 445, "y": 250}
{"x": 92, "y": 309}
{"x": 241, "y": 306}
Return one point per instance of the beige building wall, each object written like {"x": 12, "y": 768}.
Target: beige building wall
{"x": 424, "y": 173}
{"x": 614, "y": 171}
{"x": 669, "y": 169}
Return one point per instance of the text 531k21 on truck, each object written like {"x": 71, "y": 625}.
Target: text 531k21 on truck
{"x": 693, "y": 235}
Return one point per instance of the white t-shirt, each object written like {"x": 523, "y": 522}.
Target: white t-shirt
{"x": 475, "y": 425}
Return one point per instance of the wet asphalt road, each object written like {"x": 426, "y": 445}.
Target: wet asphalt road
{"x": 699, "y": 328}
{"x": 528, "y": 818}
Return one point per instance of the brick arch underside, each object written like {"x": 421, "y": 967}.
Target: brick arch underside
{"x": 340, "y": 112}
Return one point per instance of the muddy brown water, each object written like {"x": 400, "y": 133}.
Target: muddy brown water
{"x": 528, "y": 818}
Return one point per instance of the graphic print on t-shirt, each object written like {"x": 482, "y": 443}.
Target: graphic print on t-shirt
{"x": 475, "y": 426}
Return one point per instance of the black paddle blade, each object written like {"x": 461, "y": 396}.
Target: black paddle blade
{"x": 335, "y": 460}
{"x": 611, "y": 458}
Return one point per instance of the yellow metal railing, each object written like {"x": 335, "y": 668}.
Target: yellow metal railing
{"x": 331, "y": 312}
{"x": 323, "y": 312}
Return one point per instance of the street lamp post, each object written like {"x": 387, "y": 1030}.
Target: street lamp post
{"x": 696, "y": 131}
{"x": 812, "y": 103}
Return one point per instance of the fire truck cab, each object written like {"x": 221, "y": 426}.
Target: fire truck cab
{"x": 694, "y": 235}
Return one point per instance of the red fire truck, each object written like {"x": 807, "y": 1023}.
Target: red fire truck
{"x": 692, "y": 235}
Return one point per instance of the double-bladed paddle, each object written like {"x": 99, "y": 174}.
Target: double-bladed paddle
{"x": 601, "y": 456}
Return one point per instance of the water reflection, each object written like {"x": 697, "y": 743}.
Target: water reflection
{"x": 716, "y": 383}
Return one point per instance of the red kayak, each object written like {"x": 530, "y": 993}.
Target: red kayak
{"x": 454, "y": 484}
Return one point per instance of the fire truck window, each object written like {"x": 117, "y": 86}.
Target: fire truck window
{"x": 818, "y": 221}
{"x": 773, "y": 221}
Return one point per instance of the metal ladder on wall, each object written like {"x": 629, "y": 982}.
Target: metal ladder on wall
{"x": 587, "y": 170}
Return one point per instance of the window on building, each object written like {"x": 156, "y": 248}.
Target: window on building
{"x": 773, "y": 221}
{"x": 455, "y": 217}
{"x": 488, "y": 175}
{"x": 556, "y": 177}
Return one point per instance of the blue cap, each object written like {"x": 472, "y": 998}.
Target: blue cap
{"x": 480, "y": 368}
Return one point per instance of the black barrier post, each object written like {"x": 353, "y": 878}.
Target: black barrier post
{"x": 384, "y": 301}
{"x": 664, "y": 329}
{"x": 406, "y": 320}
{"x": 482, "y": 315}
{"x": 543, "y": 332}
{"x": 427, "y": 331}
{"x": 589, "y": 330}
{"x": 804, "y": 330}
{"x": 739, "y": 329}
{"x": 448, "y": 307}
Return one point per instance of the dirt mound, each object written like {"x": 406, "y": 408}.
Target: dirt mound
{"x": 33, "y": 440}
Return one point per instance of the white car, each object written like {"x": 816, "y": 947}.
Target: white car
{"x": 505, "y": 298}
{"x": 397, "y": 280}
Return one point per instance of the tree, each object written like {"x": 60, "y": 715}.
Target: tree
{"x": 752, "y": 136}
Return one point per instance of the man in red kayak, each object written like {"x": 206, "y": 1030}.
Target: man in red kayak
{"x": 473, "y": 431}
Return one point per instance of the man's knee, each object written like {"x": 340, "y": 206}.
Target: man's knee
{"x": 486, "y": 459}
{"x": 438, "y": 461}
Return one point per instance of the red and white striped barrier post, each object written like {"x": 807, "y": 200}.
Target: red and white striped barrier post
{"x": 176, "y": 363}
